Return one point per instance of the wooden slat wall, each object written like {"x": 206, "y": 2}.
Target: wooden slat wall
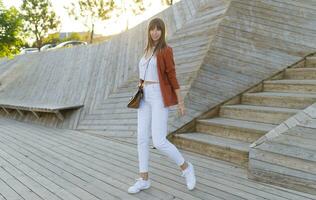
{"x": 287, "y": 160}
{"x": 255, "y": 40}
{"x": 286, "y": 155}
{"x": 49, "y": 77}
{"x": 80, "y": 75}
{"x": 214, "y": 63}
{"x": 109, "y": 115}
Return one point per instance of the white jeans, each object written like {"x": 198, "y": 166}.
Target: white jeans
{"x": 152, "y": 117}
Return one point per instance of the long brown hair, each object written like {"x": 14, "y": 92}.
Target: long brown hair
{"x": 156, "y": 22}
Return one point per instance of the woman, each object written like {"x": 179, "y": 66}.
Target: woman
{"x": 161, "y": 90}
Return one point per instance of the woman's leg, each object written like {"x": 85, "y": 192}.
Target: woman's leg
{"x": 143, "y": 135}
{"x": 159, "y": 130}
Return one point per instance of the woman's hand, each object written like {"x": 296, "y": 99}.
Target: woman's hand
{"x": 140, "y": 84}
{"x": 181, "y": 108}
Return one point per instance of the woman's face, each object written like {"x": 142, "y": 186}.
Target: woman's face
{"x": 155, "y": 34}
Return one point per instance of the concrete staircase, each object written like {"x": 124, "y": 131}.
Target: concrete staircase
{"x": 228, "y": 135}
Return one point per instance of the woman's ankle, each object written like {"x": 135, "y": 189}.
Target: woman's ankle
{"x": 184, "y": 166}
{"x": 144, "y": 176}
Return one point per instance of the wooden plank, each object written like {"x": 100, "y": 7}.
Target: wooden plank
{"x": 274, "y": 22}
{"x": 7, "y": 192}
{"x": 111, "y": 180}
{"x": 20, "y": 112}
{"x": 40, "y": 192}
{"x": 296, "y": 152}
{"x": 7, "y": 112}
{"x": 292, "y": 140}
{"x": 58, "y": 191}
{"x": 283, "y": 7}
{"x": 285, "y": 176}
{"x": 59, "y": 115}
{"x": 285, "y": 161}
{"x": 34, "y": 113}
{"x": 112, "y": 167}
{"x": 204, "y": 160}
{"x": 100, "y": 142}
{"x": 90, "y": 188}
{"x": 18, "y": 186}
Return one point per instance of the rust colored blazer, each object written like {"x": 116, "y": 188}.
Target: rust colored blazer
{"x": 167, "y": 76}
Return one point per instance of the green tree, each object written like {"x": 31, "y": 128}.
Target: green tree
{"x": 74, "y": 36}
{"x": 52, "y": 38}
{"x": 11, "y": 38}
{"x": 167, "y": 2}
{"x": 91, "y": 11}
{"x": 39, "y": 18}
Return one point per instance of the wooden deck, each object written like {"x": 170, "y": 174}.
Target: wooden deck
{"x": 45, "y": 163}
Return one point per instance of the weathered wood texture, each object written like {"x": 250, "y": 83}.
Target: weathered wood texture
{"x": 241, "y": 121}
{"x": 41, "y": 163}
{"x": 98, "y": 75}
{"x": 109, "y": 115}
{"x": 287, "y": 160}
{"x": 286, "y": 155}
{"x": 255, "y": 40}
{"x": 218, "y": 55}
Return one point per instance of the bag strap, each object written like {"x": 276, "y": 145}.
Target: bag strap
{"x": 148, "y": 64}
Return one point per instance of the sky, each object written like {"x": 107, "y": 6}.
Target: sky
{"x": 105, "y": 28}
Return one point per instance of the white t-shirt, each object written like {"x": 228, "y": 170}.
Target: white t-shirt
{"x": 151, "y": 73}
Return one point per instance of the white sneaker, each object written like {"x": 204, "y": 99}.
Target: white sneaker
{"x": 189, "y": 175}
{"x": 139, "y": 185}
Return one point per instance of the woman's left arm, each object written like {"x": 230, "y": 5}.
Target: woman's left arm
{"x": 170, "y": 69}
{"x": 180, "y": 100}
{"x": 171, "y": 73}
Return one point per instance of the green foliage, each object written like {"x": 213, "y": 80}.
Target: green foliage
{"x": 39, "y": 18}
{"x": 53, "y": 38}
{"x": 89, "y": 11}
{"x": 167, "y": 2}
{"x": 75, "y": 36}
{"x": 10, "y": 31}
{"x": 134, "y": 6}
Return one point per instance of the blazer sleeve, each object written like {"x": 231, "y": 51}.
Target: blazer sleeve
{"x": 170, "y": 68}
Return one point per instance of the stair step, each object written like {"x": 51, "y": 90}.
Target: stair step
{"x": 277, "y": 99}
{"x": 300, "y": 73}
{"x": 310, "y": 61}
{"x": 241, "y": 130}
{"x": 287, "y": 85}
{"x": 217, "y": 147}
{"x": 265, "y": 114}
